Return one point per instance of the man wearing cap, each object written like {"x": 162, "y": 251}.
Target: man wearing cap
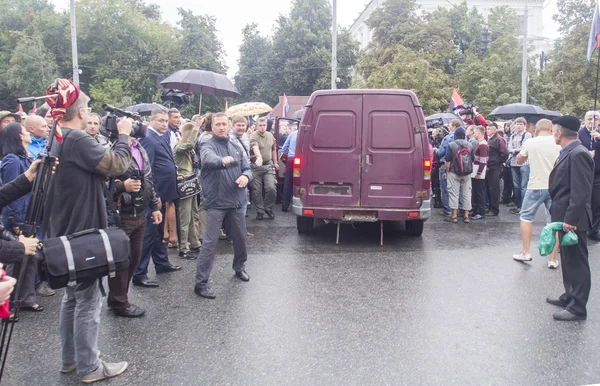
{"x": 570, "y": 187}
{"x": 590, "y": 139}
{"x": 7, "y": 117}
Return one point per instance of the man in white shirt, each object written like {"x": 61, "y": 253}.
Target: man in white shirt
{"x": 541, "y": 152}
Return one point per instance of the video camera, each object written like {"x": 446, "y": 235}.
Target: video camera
{"x": 465, "y": 109}
{"x": 109, "y": 123}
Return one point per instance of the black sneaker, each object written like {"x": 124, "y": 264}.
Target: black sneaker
{"x": 477, "y": 217}
{"x": 515, "y": 211}
{"x": 271, "y": 215}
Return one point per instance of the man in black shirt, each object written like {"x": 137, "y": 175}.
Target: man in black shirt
{"x": 75, "y": 202}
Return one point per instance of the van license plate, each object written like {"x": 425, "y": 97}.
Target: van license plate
{"x": 360, "y": 216}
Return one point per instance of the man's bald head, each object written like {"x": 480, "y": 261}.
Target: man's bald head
{"x": 37, "y": 126}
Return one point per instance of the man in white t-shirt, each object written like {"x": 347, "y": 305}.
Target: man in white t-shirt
{"x": 541, "y": 152}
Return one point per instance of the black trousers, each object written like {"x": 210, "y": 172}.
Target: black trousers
{"x": 492, "y": 179}
{"x": 478, "y": 197}
{"x": 576, "y": 274}
{"x": 508, "y": 192}
{"x": 596, "y": 203}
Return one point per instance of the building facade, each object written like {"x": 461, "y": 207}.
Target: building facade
{"x": 361, "y": 33}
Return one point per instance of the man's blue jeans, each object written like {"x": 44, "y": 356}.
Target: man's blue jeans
{"x": 444, "y": 189}
{"x": 520, "y": 176}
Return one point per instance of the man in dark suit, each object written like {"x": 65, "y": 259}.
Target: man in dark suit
{"x": 570, "y": 188}
{"x": 164, "y": 174}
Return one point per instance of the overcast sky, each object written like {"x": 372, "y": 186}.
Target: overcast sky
{"x": 232, "y": 16}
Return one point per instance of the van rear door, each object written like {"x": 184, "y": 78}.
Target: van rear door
{"x": 333, "y": 160}
{"x": 392, "y": 152}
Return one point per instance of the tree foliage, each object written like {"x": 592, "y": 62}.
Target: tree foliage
{"x": 124, "y": 50}
{"x": 299, "y": 60}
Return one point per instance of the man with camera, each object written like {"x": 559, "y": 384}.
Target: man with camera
{"x": 134, "y": 194}
{"x": 74, "y": 202}
{"x": 164, "y": 173}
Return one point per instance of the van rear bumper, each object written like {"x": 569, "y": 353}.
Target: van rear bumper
{"x": 371, "y": 214}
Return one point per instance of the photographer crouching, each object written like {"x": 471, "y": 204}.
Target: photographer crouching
{"x": 75, "y": 202}
{"x": 134, "y": 194}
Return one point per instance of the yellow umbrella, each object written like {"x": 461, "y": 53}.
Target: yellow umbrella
{"x": 248, "y": 108}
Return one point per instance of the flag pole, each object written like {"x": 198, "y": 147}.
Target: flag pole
{"x": 596, "y": 91}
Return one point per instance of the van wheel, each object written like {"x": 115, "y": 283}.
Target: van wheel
{"x": 414, "y": 227}
{"x": 304, "y": 224}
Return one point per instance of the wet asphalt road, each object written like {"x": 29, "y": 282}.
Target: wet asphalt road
{"x": 451, "y": 307}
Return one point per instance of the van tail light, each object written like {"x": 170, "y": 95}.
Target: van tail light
{"x": 297, "y": 163}
{"x": 427, "y": 173}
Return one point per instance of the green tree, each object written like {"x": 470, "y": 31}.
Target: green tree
{"x": 253, "y": 79}
{"x": 302, "y": 50}
{"x": 573, "y": 13}
{"x": 568, "y": 82}
{"x": 407, "y": 69}
{"x": 32, "y": 67}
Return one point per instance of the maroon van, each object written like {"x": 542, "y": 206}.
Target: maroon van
{"x": 362, "y": 156}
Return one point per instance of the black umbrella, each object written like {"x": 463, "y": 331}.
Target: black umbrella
{"x": 144, "y": 109}
{"x": 201, "y": 82}
{"x": 446, "y": 117}
{"x": 515, "y": 110}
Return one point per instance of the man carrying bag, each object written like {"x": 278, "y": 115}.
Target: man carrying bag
{"x": 75, "y": 202}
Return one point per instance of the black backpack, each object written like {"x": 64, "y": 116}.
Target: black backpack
{"x": 463, "y": 161}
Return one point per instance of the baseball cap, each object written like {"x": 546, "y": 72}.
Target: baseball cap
{"x": 568, "y": 122}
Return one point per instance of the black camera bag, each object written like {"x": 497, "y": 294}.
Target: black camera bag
{"x": 85, "y": 256}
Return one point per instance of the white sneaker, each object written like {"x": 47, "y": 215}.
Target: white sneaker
{"x": 553, "y": 264}
{"x": 104, "y": 371}
{"x": 522, "y": 257}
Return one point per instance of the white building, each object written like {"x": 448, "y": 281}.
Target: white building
{"x": 361, "y": 33}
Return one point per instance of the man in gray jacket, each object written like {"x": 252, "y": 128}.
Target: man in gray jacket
{"x": 224, "y": 177}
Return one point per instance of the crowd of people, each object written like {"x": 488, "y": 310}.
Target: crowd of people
{"x": 225, "y": 164}
{"x": 524, "y": 166}
{"x": 187, "y": 185}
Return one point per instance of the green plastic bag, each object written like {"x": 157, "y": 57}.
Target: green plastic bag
{"x": 570, "y": 238}
{"x": 548, "y": 238}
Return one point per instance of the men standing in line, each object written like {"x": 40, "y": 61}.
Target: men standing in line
{"x": 520, "y": 173}
{"x": 441, "y": 153}
{"x": 570, "y": 188}
{"x": 39, "y": 131}
{"x": 590, "y": 139}
{"x": 480, "y": 160}
{"x": 164, "y": 174}
{"x": 225, "y": 175}
{"x": 189, "y": 243}
{"x": 497, "y": 157}
{"x": 263, "y": 170}
{"x": 541, "y": 152}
